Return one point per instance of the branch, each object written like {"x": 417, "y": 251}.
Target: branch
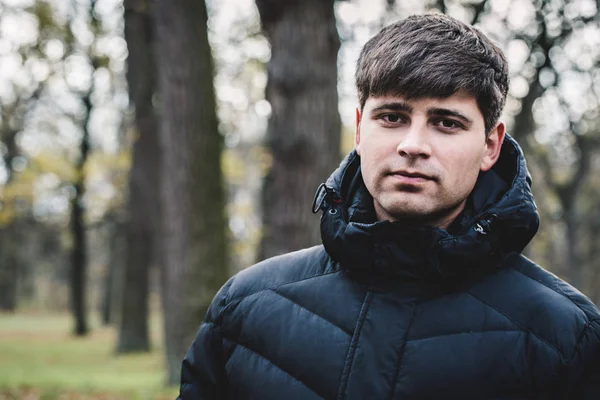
{"x": 9, "y": 133}
{"x": 441, "y": 5}
{"x": 585, "y": 145}
{"x": 478, "y": 11}
{"x": 524, "y": 123}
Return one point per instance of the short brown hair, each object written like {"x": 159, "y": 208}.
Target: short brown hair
{"x": 434, "y": 55}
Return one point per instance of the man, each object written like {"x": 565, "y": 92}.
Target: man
{"x": 419, "y": 290}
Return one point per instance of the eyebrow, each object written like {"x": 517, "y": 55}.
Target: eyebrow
{"x": 393, "y": 106}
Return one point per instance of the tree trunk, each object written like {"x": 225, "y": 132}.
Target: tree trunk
{"x": 10, "y": 249}
{"x": 143, "y": 209}
{"x": 114, "y": 267}
{"x": 8, "y": 269}
{"x": 78, "y": 263}
{"x": 26, "y": 235}
{"x": 12, "y": 121}
{"x": 573, "y": 262}
{"x": 77, "y": 225}
{"x": 108, "y": 294}
{"x": 593, "y": 256}
{"x": 568, "y": 194}
{"x": 192, "y": 196}
{"x": 304, "y": 129}
{"x": 113, "y": 293}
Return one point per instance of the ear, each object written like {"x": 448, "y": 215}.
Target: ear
{"x": 493, "y": 144}
{"x": 357, "y": 132}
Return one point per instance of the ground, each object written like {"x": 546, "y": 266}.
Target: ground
{"x": 41, "y": 360}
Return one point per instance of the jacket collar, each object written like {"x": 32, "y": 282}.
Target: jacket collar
{"x": 501, "y": 217}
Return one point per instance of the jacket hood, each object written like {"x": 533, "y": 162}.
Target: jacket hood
{"x": 500, "y": 218}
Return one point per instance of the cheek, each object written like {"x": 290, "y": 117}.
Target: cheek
{"x": 370, "y": 167}
{"x": 464, "y": 167}
{"x": 375, "y": 151}
{"x": 368, "y": 170}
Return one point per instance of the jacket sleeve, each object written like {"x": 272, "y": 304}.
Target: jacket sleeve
{"x": 203, "y": 369}
{"x": 586, "y": 383}
{"x": 591, "y": 375}
{"x": 591, "y": 382}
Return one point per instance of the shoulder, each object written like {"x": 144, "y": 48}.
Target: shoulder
{"x": 274, "y": 272}
{"x": 540, "y": 303}
{"x": 280, "y": 270}
{"x": 565, "y": 297}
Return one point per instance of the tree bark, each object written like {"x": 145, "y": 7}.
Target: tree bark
{"x": 8, "y": 269}
{"x": 9, "y": 251}
{"x": 113, "y": 227}
{"x": 568, "y": 194}
{"x": 11, "y": 261}
{"x": 143, "y": 209}
{"x": 304, "y": 128}
{"x": 593, "y": 255}
{"x": 113, "y": 290}
{"x": 192, "y": 195}
{"x": 108, "y": 294}
{"x": 77, "y": 227}
{"x": 573, "y": 261}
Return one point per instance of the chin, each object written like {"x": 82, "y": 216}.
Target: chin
{"x": 421, "y": 211}
{"x": 409, "y": 212}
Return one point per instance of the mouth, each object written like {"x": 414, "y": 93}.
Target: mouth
{"x": 411, "y": 174}
{"x": 411, "y": 177}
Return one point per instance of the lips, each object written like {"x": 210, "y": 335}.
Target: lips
{"x": 412, "y": 174}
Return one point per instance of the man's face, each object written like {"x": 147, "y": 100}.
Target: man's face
{"x": 420, "y": 158}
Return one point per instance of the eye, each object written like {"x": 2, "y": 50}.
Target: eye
{"x": 448, "y": 124}
{"x": 391, "y": 118}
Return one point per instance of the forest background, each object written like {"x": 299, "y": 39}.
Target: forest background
{"x": 151, "y": 149}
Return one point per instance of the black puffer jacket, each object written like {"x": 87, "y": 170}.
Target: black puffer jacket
{"x": 388, "y": 311}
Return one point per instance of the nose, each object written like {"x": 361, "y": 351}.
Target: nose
{"x": 415, "y": 142}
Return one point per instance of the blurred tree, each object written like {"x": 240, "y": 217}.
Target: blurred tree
{"x": 240, "y": 79}
{"x": 112, "y": 290}
{"x": 304, "y": 129}
{"x": 45, "y": 98}
{"x": 564, "y": 162}
{"x": 79, "y": 257}
{"x": 12, "y": 233}
{"x": 77, "y": 226}
{"x": 193, "y": 240}
{"x": 110, "y": 249}
{"x": 143, "y": 207}
{"x": 79, "y": 254}
{"x": 24, "y": 91}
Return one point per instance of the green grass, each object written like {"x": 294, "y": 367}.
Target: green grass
{"x": 40, "y": 359}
